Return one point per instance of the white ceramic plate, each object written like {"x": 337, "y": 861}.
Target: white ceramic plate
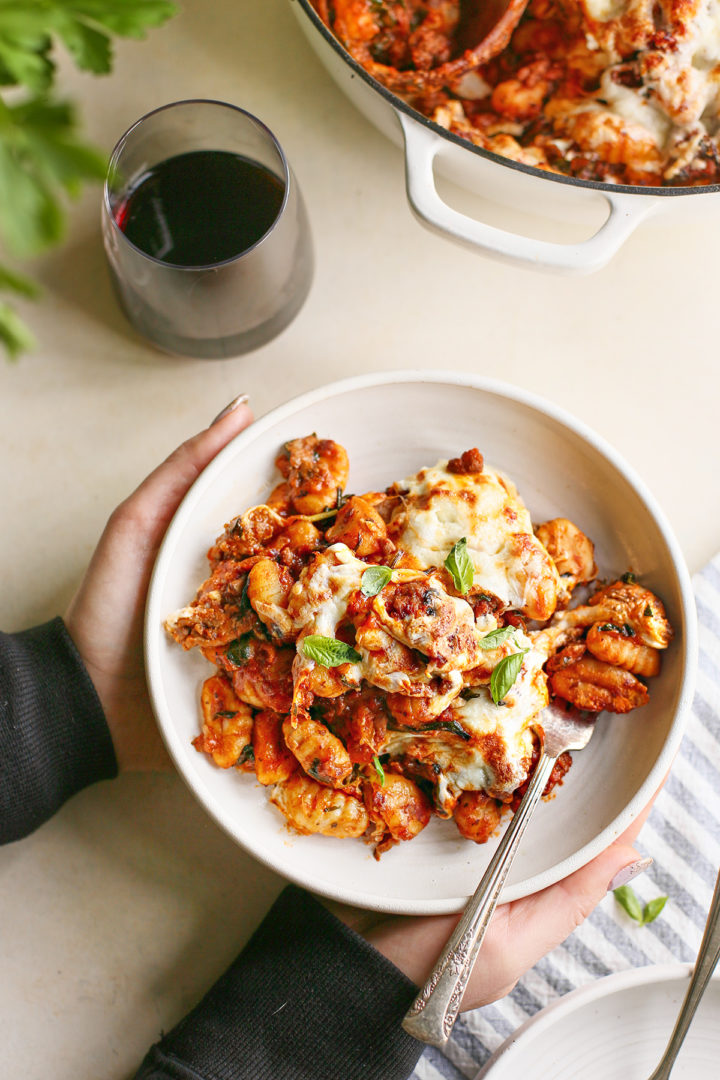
{"x": 615, "y": 1029}
{"x": 392, "y": 424}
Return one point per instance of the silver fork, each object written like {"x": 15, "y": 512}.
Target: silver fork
{"x": 707, "y": 958}
{"x": 431, "y": 1016}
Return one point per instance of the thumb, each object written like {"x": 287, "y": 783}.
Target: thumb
{"x": 119, "y": 571}
{"x": 157, "y": 498}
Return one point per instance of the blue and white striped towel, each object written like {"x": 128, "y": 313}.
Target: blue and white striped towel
{"x": 683, "y": 836}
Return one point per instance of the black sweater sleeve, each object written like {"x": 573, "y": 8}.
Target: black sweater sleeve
{"x": 307, "y": 999}
{"x": 53, "y": 736}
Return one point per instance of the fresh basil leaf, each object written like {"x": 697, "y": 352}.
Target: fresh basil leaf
{"x": 627, "y": 898}
{"x": 629, "y": 578}
{"x": 246, "y": 754}
{"x": 435, "y": 725}
{"x": 497, "y": 637}
{"x": 648, "y": 612}
{"x": 379, "y": 770}
{"x": 244, "y": 602}
{"x": 460, "y": 566}
{"x": 329, "y": 652}
{"x": 504, "y": 674}
{"x": 653, "y": 909}
{"x": 24, "y": 47}
{"x": 239, "y": 650}
{"x": 374, "y": 579}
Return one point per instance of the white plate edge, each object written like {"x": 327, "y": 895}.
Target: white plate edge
{"x": 585, "y": 995}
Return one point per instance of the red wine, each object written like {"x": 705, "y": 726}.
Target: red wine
{"x": 201, "y": 208}
{"x": 185, "y": 258}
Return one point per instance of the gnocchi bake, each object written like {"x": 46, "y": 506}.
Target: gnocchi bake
{"x": 621, "y": 91}
{"x": 383, "y": 658}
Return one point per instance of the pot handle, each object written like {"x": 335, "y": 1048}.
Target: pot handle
{"x": 625, "y": 214}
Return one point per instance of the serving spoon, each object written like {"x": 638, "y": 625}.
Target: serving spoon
{"x": 431, "y": 1016}
{"x": 486, "y": 26}
{"x": 707, "y": 958}
{"x": 483, "y": 29}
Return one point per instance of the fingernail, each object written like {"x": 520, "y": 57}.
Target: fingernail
{"x": 241, "y": 399}
{"x": 626, "y": 875}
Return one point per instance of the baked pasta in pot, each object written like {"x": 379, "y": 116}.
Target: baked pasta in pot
{"x": 621, "y": 91}
{"x": 383, "y": 658}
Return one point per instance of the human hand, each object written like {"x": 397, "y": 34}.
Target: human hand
{"x": 520, "y": 932}
{"x": 105, "y": 617}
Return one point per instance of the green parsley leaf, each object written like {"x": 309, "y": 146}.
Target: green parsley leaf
{"x": 17, "y": 283}
{"x": 14, "y": 334}
{"x": 329, "y": 652}
{"x": 497, "y": 637}
{"x": 90, "y": 48}
{"x": 460, "y": 566}
{"x": 648, "y": 612}
{"x": 653, "y": 909}
{"x": 41, "y": 156}
{"x": 628, "y": 899}
{"x": 504, "y": 674}
{"x": 629, "y": 578}
{"x": 379, "y": 770}
{"x": 28, "y": 30}
{"x": 374, "y": 579}
{"x": 126, "y": 18}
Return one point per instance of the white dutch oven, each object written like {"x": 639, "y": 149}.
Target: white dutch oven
{"x": 428, "y": 147}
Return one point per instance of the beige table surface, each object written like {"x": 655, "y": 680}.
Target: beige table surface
{"x": 117, "y": 914}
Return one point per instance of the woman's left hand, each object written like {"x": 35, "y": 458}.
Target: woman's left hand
{"x": 105, "y": 618}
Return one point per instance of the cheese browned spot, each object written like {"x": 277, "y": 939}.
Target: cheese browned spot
{"x": 439, "y": 507}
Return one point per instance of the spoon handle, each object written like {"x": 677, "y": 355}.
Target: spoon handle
{"x": 704, "y": 967}
{"x": 431, "y": 1016}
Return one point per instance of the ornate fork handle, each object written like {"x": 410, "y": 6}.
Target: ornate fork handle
{"x": 708, "y": 956}
{"x": 431, "y": 1016}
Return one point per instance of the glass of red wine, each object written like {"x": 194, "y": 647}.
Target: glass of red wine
{"x": 205, "y": 230}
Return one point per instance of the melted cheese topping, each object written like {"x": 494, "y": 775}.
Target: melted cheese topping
{"x": 415, "y": 611}
{"x": 496, "y": 756}
{"x": 418, "y": 637}
{"x": 441, "y": 508}
{"x": 625, "y": 91}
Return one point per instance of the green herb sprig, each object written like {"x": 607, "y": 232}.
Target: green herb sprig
{"x": 42, "y": 157}
{"x": 628, "y": 899}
